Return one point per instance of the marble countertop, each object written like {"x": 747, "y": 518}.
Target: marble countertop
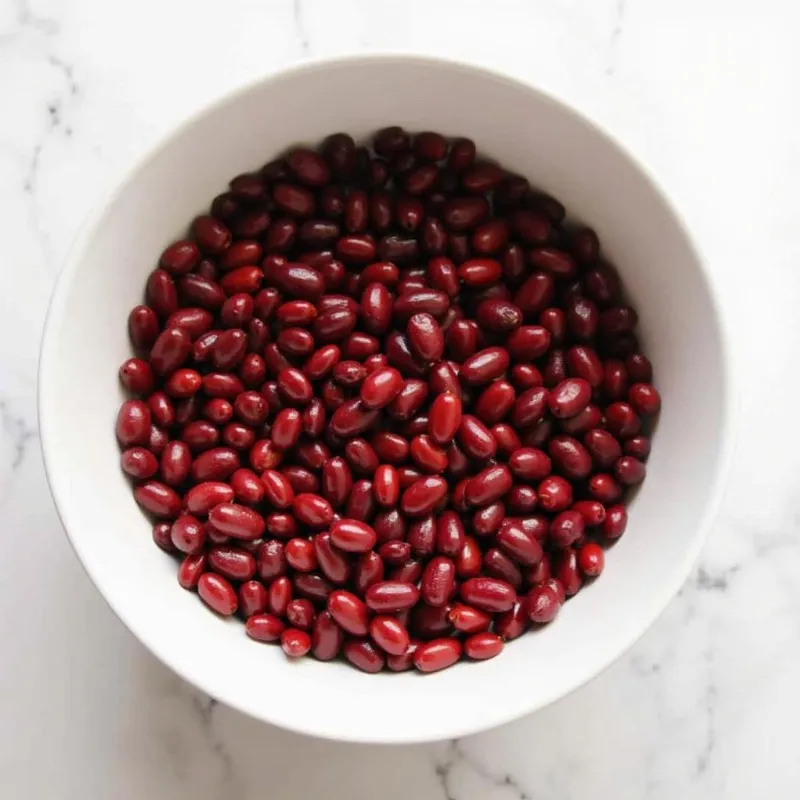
{"x": 705, "y": 704}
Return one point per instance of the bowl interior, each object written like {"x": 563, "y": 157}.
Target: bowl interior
{"x": 557, "y": 150}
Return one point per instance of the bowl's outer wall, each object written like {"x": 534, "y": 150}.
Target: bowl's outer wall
{"x": 86, "y": 340}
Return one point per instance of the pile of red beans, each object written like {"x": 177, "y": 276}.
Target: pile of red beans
{"x": 388, "y": 403}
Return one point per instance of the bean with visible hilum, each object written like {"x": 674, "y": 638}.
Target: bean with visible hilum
{"x": 387, "y": 409}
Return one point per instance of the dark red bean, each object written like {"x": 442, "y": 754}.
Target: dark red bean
{"x": 409, "y": 399}
{"x": 233, "y": 563}
{"x": 489, "y": 485}
{"x": 428, "y": 455}
{"x": 530, "y": 407}
{"x": 349, "y": 612}
{"x": 484, "y": 366}
{"x": 353, "y": 536}
{"x": 300, "y": 555}
{"x": 252, "y": 599}
{"x": 535, "y": 294}
{"x": 386, "y": 486}
{"x": 567, "y": 572}
{"x": 530, "y": 464}
{"x": 542, "y": 604}
{"x": 605, "y": 488}
{"x": 482, "y": 646}
{"x": 264, "y": 627}
{"x": 570, "y": 457}
{"x": 237, "y": 521}
{"x": 488, "y": 594}
{"x": 143, "y": 327}
{"x": 593, "y": 513}
{"x": 204, "y": 497}
{"x": 217, "y": 594}
{"x": 615, "y": 522}
{"x": 326, "y": 637}
{"x": 438, "y": 581}
{"x": 161, "y": 294}
{"x": 622, "y": 421}
{"x": 512, "y": 623}
{"x": 381, "y": 387}
{"x": 629, "y": 471}
{"x": 645, "y": 399}
{"x": 522, "y": 547}
{"x": 569, "y": 397}
{"x": 423, "y": 496}
{"x": 133, "y": 423}
{"x": 567, "y": 528}
{"x": 363, "y": 655}
{"x": 437, "y": 654}
{"x": 603, "y": 448}
{"x": 389, "y": 597}
{"x": 170, "y": 350}
{"x": 158, "y": 499}
{"x": 555, "y": 493}
{"x": 295, "y": 643}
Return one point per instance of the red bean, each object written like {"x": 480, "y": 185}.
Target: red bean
{"x": 217, "y": 594}
{"x": 603, "y": 448}
{"x": 482, "y": 646}
{"x": 530, "y": 407}
{"x": 233, "y": 563}
{"x": 158, "y": 499}
{"x": 593, "y": 513}
{"x": 437, "y": 654}
{"x": 645, "y": 399}
{"x": 555, "y": 493}
{"x": 389, "y": 634}
{"x": 566, "y": 571}
{"x": 312, "y": 510}
{"x": 605, "y": 488}
{"x": 338, "y": 367}
{"x": 353, "y": 536}
{"x": 530, "y": 464}
{"x": 488, "y": 594}
{"x": 381, "y": 387}
{"x": 438, "y": 581}
{"x": 363, "y": 655}
{"x": 522, "y": 547}
{"x": 542, "y": 604}
{"x": 264, "y": 627}
{"x": 485, "y": 366}
{"x": 133, "y": 423}
{"x": 569, "y": 397}
{"x": 252, "y": 598}
{"x": 239, "y": 522}
{"x": 476, "y": 439}
{"x": 295, "y": 643}
{"x": 512, "y": 623}
{"x": 386, "y": 485}
{"x": 349, "y": 612}
{"x": 535, "y": 294}
{"x": 389, "y": 597}
{"x": 422, "y": 496}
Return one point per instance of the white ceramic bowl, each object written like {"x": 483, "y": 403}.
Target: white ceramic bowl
{"x": 561, "y": 152}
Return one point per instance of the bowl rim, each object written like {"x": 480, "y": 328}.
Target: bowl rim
{"x": 58, "y": 483}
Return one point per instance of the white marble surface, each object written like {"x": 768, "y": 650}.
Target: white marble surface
{"x": 704, "y": 706}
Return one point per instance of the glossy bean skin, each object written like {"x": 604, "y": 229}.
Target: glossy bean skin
{"x": 399, "y": 380}
{"x": 437, "y": 654}
{"x": 218, "y": 594}
{"x": 488, "y": 594}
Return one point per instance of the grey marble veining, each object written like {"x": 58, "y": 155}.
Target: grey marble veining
{"x": 704, "y": 705}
